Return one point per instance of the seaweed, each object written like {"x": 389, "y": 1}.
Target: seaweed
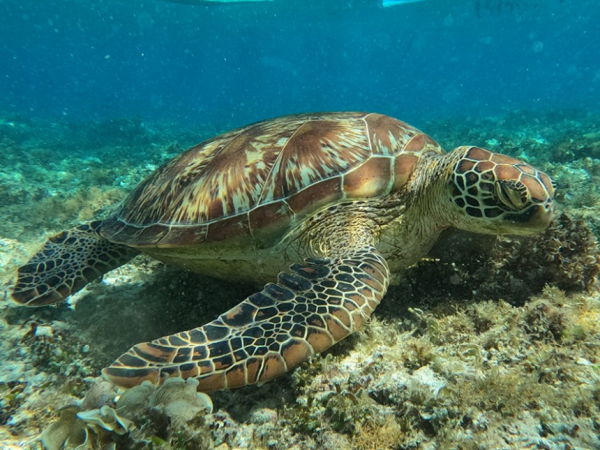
{"x": 464, "y": 267}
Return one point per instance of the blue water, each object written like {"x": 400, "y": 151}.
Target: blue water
{"x": 229, "y": 64}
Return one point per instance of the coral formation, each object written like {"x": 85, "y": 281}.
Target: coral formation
{"x": 464, "y": 378}
{"x": 511, "y": 268}
{"x": 85, "y": 430}
{"x": 179, "y": 400}
{"x": 105, "y": 419}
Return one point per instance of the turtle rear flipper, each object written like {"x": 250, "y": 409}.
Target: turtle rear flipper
{"x": 66, "y": 263}
{"x": 309, "y": 309}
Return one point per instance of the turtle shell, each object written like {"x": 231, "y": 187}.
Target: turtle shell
{"x": 259, "y": 181}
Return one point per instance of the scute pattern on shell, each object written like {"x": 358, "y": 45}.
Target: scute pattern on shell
{"x": 267, "y": 175}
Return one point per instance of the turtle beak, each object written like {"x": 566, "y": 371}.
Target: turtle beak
{"x": 542, "y": 217}
{"x": 534, "y": 220}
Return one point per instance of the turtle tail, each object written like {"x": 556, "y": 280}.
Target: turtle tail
{"x": 66, "y": 263}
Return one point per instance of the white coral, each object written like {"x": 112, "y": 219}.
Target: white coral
{"x": 180, "y": 401}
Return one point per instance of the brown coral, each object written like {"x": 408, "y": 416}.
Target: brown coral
{"x": 468, "y": 267}
{"x": 565, "y": 256}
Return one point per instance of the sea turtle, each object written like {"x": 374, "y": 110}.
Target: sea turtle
{"x": 322, "y": 207}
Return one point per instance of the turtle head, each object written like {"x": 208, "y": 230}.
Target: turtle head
{"x": 496, "y": 194}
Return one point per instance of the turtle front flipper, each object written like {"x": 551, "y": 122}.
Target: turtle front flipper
{"x": 310, "y": 308}
{"x": 66, "y": 263}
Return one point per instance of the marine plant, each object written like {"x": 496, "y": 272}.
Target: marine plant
{"x": 134, "y": 418}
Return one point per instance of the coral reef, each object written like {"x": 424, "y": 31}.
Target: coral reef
{"x": 489, "y": 343}
{"x": 466, "y": 267}
{"x": 491, "y": 374}
{"x": 565, "y": 256}
{"x": 84, "y": 430}
{"x": 74, "y": 171}
{"x": 108, "y": 421}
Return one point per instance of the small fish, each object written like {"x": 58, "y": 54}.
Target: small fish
{"x": 388, "y": 3}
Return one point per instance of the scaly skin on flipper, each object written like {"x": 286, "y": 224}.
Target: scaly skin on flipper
{"x": 66, "y": 263}
{"x": 312, "y": 307}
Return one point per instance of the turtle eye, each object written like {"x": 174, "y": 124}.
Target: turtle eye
{"x": 512, "y": 194}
